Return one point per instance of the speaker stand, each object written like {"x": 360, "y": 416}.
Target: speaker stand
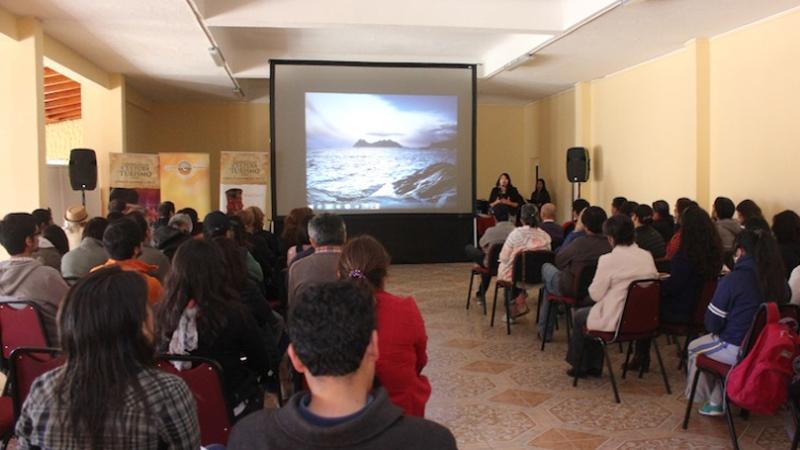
{"x": 83, "y": 195}
{"x": 575, "y": 197}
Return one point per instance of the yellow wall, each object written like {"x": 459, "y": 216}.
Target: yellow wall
{"x": 755, "y": 111}
{"x": 500, "y": 148}
{"x": 62, "y": 137}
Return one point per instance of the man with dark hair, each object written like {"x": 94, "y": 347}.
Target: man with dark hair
{"x": 559, "y": 278}
{"x": 327, "y": 234}
{"x": 79, "y": 261}
{"x": 149, "y": 254}
{"x": 165, "y": 211}
{"x": 25, "y": 278}
{"x": 46, "y": 252}
{"x": 616, "y": 204}
{"x": 728, "y": 228}
{"x": 494, "y": 235}
{"x": 663, "y": 221}
{"x": 123, "y": 242}
{"x": 628, "y": 208}
{"x": 335, "y": 345}
{"x": 578, "y": 205}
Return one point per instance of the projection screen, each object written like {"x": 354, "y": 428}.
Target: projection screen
{"x": 372, "y": 138}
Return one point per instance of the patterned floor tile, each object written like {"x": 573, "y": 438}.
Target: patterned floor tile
{"x": 461, "y": 385}
{"x": 670, "y": 443}
{"x": 518, "y": 397}
{"x": 486, "y": 366}
{"x": 774, "y": 437}
{"x": 463, "y": 344}
{"x": 559, "y": 438}
{"x": 600, "y": 413}
{"x": 479, "y": 423}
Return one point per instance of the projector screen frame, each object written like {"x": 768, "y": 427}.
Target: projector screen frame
{"x": 473, "y": 131}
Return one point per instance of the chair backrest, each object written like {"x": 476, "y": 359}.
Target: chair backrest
{"x": 20, "y": 325}
{"x": 528, "y": 266}
{"x": 27, "y": 364}
{"x": 640, "y": 315}
{"x": 494, "y": 258}
{"x": 703, "y": 299}
{"x": 483, "y": 223}
{"x": 205, "y": 381}
{"x": 583, "y": 279}
{"x": 760, "y": 320}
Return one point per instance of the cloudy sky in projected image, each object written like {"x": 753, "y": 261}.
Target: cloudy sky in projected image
{"x": 336, "y": 120}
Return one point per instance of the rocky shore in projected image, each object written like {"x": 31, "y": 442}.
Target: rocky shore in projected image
{"x": 376, "y": 152}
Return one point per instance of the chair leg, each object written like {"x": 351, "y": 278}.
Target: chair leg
{"x": 611, "y": 373}
{"x": 627, "y": 359}
{"x": 661, "y": 365}
{"x": 578, "y": 367}
{"x": 690, "y": 402}
{"x": 620, "y": 348}
{"x": 508, "y": 310}
{"x": 547, "y": 323}
{"x": 539, "y": 305}
{"x": 494, "y": 305}
{"x": 684, "y": 353}
{"x": 469, "y": 291}
{"x": 568, "y": 320}
{"x": 729, "y": 416}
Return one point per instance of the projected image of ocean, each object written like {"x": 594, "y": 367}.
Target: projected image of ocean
{"x": 375, "y": 152}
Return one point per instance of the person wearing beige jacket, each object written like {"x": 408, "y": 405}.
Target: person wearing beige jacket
{"x": 615, "y": 272}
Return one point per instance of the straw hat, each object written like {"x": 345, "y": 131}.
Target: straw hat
{"x": 76, "y": 214}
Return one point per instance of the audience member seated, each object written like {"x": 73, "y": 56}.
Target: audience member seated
{"x": 123, "y": 242}
{"x": 216, "y": 224}
{"x": 335, "y": 345}
{"x": 727, "y": 227}
{"x": 549, "y": 225}
{"x": 559, "y": 278}
{"x": 794, "y": 285}
{"x": 540, "y": 196}
{"x": 752, "y": 282}
{"x": 615, "y": 272}
{"x": 46, "y": 252}
{"x": 201, "y": 315}
{"x": 492, "y": 236}
{"x": 75, "y": 220}
{"x": 628, "y": 208}
{"x": 117, "y": 205}
{"x": 786, "y": 227}
{"x": 647, "y": 238}
{"x": 43, "y": 218}
{"x": 197, "y": 226}
{"x": 264, "y": 245}
{"x": 149, "y": 254}
{"x": 165, "y": 212}
{"x": 675, "y": 242}
{"x": 403, "y": 340}
{"x": 616, "y": 205}
{"x": 697, "y": 261}
{"x": 573, "y": 229}
{"x": 79, "y": 261}
{"x": 127, "y": 198}
{"x": 294, "y": 227}
{"x": 51, "y": 256}
{"x": 528, "y": 237}
{"x": 746, "y": 210}
{"x": 504, "y": 193}
{"x": 108, "y": 394}
{"x": 25, "y": 278}
{"x": 168, "y": 238}
{"x": 303, "y": 247}
{"x": 663, "y": 221}
{"x": 327, "y": 233}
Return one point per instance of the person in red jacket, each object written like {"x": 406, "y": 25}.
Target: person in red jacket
{"x": 401, "y": 330}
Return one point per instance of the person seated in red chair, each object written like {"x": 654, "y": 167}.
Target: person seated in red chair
{"x": 404, "y": 341}
{"x": 494, "y": 235}
{"x": 675, "y": 242}
{"x": 25, "y": 278}
{"x": 755, "y": 279}
{"x": 571, "y": 228}
{"x": 615, "y": 272}
{"x": 335, "y": 346}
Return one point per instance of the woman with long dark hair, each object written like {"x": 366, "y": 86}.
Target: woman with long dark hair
{"x": 746, "y": 210}
{"x": 756, "y": 278}
{"x": 505, "y": 193}
{"x": 202, "y": 315}
{"x": 540, "y": 196}
{"x": 403, "y": 340}
{"x": 108, "y": 394}
{"x": 786, "y": 227}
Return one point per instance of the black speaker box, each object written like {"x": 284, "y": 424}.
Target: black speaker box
{"x": 577, "y": 165}
{"x": 82, "y": 169}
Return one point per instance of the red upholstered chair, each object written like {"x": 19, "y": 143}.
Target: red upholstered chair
{"x": 20, "y": 325}
{"x": 6, "y": 419}
{"x": 478, "y": 270}
{"x": 720, "y": 370}
{"x": 583, "y": 279}
{"x": 526, "y": 271}
{"x": 205, "y": 381}
{"x": 639, "y": 321}
{"x": 483, "y": 223}
{"x": 696, "y": 325}
{"x": 26, "y": 364}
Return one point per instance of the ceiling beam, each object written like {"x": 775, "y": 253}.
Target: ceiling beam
{"x": 69, "y": 101}
{"x": 62, "y": 110}
{"x": 64, "y": 95}
{"x": 72, "y": 89}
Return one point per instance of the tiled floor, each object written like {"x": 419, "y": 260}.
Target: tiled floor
{"x": 500, "y": 392}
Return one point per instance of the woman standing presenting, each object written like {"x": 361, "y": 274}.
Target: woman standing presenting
{"x": 505, "y": 193}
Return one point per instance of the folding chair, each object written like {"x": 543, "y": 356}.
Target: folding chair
{"x": 27, "y": 364}
{"x": 583, "y": 279}
{"x": 477, "y": 269}
{"x": 639, "y": 320}
{"x": 696, "y": 324}
{"x": 526, "y": 271}
{"x": 20, "y": 326}
{"x": 205, "y": 380}
{"x": 720, "y": 370}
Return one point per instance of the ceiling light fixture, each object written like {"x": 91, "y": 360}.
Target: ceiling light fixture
{"x": 214, "y": 50}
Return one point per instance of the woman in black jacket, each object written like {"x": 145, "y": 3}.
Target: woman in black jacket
{"x": 505, "y": 193}
{"x": 540, "y": 196}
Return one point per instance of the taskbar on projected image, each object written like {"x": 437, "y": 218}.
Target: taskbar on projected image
{"x": 345, "y": 206}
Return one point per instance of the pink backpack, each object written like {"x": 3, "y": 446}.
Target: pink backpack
{"x": 760, "y": 382}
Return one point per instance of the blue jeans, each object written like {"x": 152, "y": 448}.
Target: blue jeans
{"x": 550, "y": 277}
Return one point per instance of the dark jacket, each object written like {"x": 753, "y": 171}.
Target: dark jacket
{"x": 539, "y": 198}
{"x": 267, "y": 322}
{"x": 585, "y": 249}
{"x": 735, "y": 302}
{"x": 680, "y": 291}
{"x": 380, "y": 426}
{"x": 665, "y": 227}
{"x": 647, "y": 238}
{"x": 556, "y": 233}
{"x": 791, "y": 256}
{"x": 168, "y": 239}
{"x": 511, "y": 193}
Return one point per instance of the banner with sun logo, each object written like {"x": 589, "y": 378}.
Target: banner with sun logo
{"x": 186, "y": 180}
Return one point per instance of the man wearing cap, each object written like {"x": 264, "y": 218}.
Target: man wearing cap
{"x": 75, "y": 220}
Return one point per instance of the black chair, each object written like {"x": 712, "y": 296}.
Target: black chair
{"x": 526, "y": 271}
{"x": 583, "y": 279}
{"x": 477, "y": 269}
{"x": 696, "y": 324}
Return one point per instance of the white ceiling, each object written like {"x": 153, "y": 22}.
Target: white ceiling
{"x": 163, "y": 51}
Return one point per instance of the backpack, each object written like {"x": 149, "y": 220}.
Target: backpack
{"x": 760, "y": 382}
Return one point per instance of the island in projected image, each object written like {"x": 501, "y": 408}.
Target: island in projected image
{"x": 370, "y": 151}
